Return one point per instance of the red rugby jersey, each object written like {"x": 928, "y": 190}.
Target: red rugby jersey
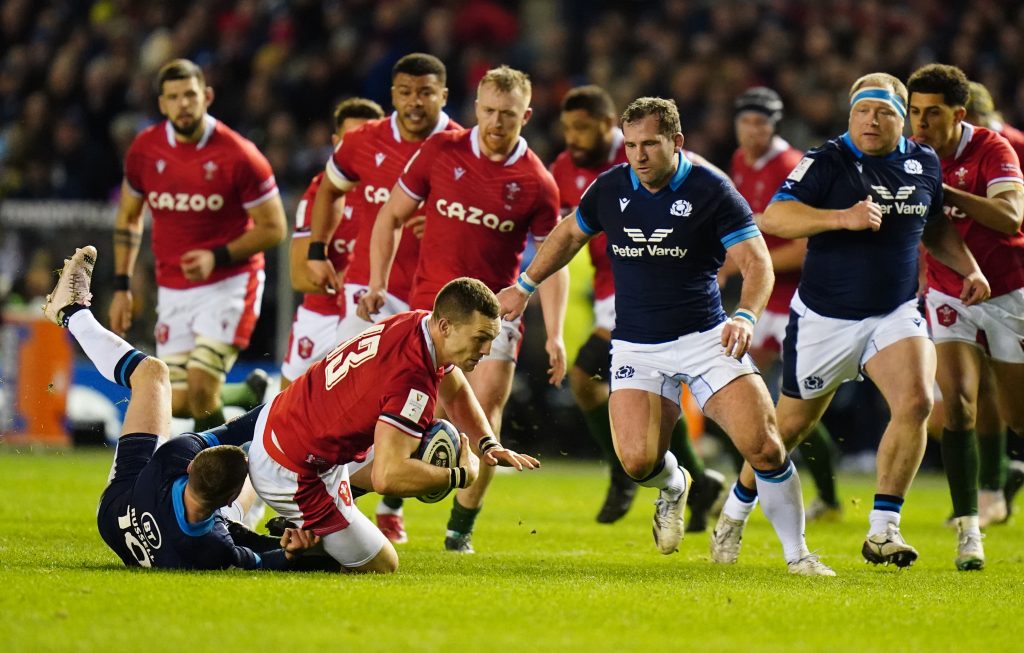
{"x": 339, "y": 249}
{"x": 388, "y": 373}
{"x": 757, "y": 183}
{"x": 366, "y": 164}
{"x": 478, "y": 211}
{"x": 572, "y": 180}
{"x": 983, "y": 163}
{"x": 199, "y": 194}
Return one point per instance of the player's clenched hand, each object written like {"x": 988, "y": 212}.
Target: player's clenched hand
{"x": 295, "y": 541}
{"x": 121, "y": 312}
{"x": 511, "y": 302}
{"x": 197, "y": 264}
{"x": 370, "y": 303}
{"x": 865, "y": 214}
{"x": 468, "y": 460}
{"x": 556, "y": 358}
{"x": 736, "y": 337}
{"x": 418, "y": 224}
{"x": 976, "y": 289}
{"x": 322, "y": 275}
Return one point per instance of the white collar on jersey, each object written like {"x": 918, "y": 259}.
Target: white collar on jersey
{"x": 517, "y": 153}
{"x": 617, "y": 140}
{"x": 777, "y": 147}
{"x": 429, "y": 340}
{"x": 965, "y": 139}
{"x": 442, "y": 123}
{"x": 209, "y": 122}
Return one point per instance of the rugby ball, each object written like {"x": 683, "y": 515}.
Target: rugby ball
{"x": 439, "y": 446}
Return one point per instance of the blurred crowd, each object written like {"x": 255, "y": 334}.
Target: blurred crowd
{"x": 76, "y": 77}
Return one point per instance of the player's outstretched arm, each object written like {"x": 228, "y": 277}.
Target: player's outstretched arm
{"x": 755, "y": 265}
{"x": 558, "y": 249}
{"x": 128, "y": 228}
{"x": 462, "y": 407}
{"x": 323, "y": 222}
{"x": 554, "y": 296}
{"x": 387, "y": 230}
{"x": 396, "y": 473}
{"x": 792, "y": 219}
{"x": 944, "y": 243}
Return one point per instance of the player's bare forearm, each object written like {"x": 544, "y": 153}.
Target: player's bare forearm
{"x": 297, "y": 253}
{"x": 1002, "y": 213}
{"x": 755, "y": 265}
{"x": 792, "y": 219}
{"x": 387, "y": 230}
{"x": 462, "y": 407}
{"x": 323, "y": 219}
{"x": 554, "y": 297}
{"x": 128, "y": 227}
{"x": 564, "y": 241}
{"x": 943, "y": 242}
{"x": 394, "y": 473}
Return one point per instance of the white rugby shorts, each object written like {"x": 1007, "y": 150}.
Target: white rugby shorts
{"x": 696, "y": 359}
{"x": 821, "y": 353}
{"x": 321, "y": 503}
{"x": 225, "y": 311}
{"x": 352, "y": 325}
{"x": 997, "y": 323}
{"x": 312, "y": 337}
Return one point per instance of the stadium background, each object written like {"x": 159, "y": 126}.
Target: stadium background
{"x": 76, "y": 85}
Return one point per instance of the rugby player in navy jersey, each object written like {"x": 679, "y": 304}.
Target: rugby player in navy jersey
{"x": 865, "y": 200}
{"x": 160, "y": 507}
{"x": 669, "y": 224}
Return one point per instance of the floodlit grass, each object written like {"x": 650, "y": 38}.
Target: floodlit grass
{"x": 546, "y": 578}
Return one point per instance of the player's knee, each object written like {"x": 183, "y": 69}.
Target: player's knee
{"x": 385, "y": 562}
{"x": 960, "y": 414}
{"x": 637, "y": 463}
{"x": 203, "y": 399}
{"x": 914, "y": 407}
{"x": 766, "y": 452}
{"x": 151, "y": 371}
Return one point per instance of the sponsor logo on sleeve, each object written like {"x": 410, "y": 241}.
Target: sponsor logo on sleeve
{"x": 801, "y": 169}
{"x": 414, "y": 406}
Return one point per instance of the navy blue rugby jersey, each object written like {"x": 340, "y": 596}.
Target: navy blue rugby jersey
{"x": 852, "y": 275}
{"x": 150, "y": 528}
{"x": 666, "y": 248}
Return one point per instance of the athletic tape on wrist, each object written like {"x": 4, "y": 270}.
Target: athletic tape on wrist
{"x": 221, "y": 256}
{"x": 317, "y": 251}
{"x": 526, "y": 284}
{"x": 746, "y": 315}
{"x": 487, "y": 443}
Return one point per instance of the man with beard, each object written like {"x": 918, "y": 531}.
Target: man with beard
{"x": 215, "y": 208}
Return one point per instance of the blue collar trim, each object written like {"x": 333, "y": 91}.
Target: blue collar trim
{"x": 178, "y": 498}
{"x": 683, "y": 168}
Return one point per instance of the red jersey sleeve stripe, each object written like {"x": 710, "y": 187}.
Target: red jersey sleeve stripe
{"x": 338, "y": 177}
{"x": 261, "y": 199}
{"x": 401, "y": 424}
{"x": 409, "y": 192}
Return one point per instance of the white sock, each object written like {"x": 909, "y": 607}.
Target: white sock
{"x": 104, "y": 348}
{"x": 783, "y": 505}
{"x": 670, "y": 480}
{"x": 880, "y": 519}
{"x": 736, "y": 508}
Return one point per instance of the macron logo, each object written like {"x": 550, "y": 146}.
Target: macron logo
{"x": 623, "y": 203}
{"x": 379, "y": 158}
{"x": 902, "y": 193}
{"x": 459, "y": 172}
{"x": 637, "y": 236}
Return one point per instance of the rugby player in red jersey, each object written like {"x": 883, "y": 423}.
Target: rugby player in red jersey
{"x": 483, "y": 191}
{"x": 215, "y": 208}
{"x": 984, "y": 197}
{"x": 314, "y": 330}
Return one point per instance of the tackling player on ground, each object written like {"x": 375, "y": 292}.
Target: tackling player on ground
{"x": 984, "y": 196}
{"x": 215, "y": 208}
{"x": 483, "y": 191}
{"x": 669, "y": 224}
{"x": 594, "y": 144}
{"x": 865, "y": 200}
{"x": 315, "y": 328}
{"x": 759, "y": 166}
{"x": 161, "y": 505}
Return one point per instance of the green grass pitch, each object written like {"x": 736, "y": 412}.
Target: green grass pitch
{"x": 546, "y": 578}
